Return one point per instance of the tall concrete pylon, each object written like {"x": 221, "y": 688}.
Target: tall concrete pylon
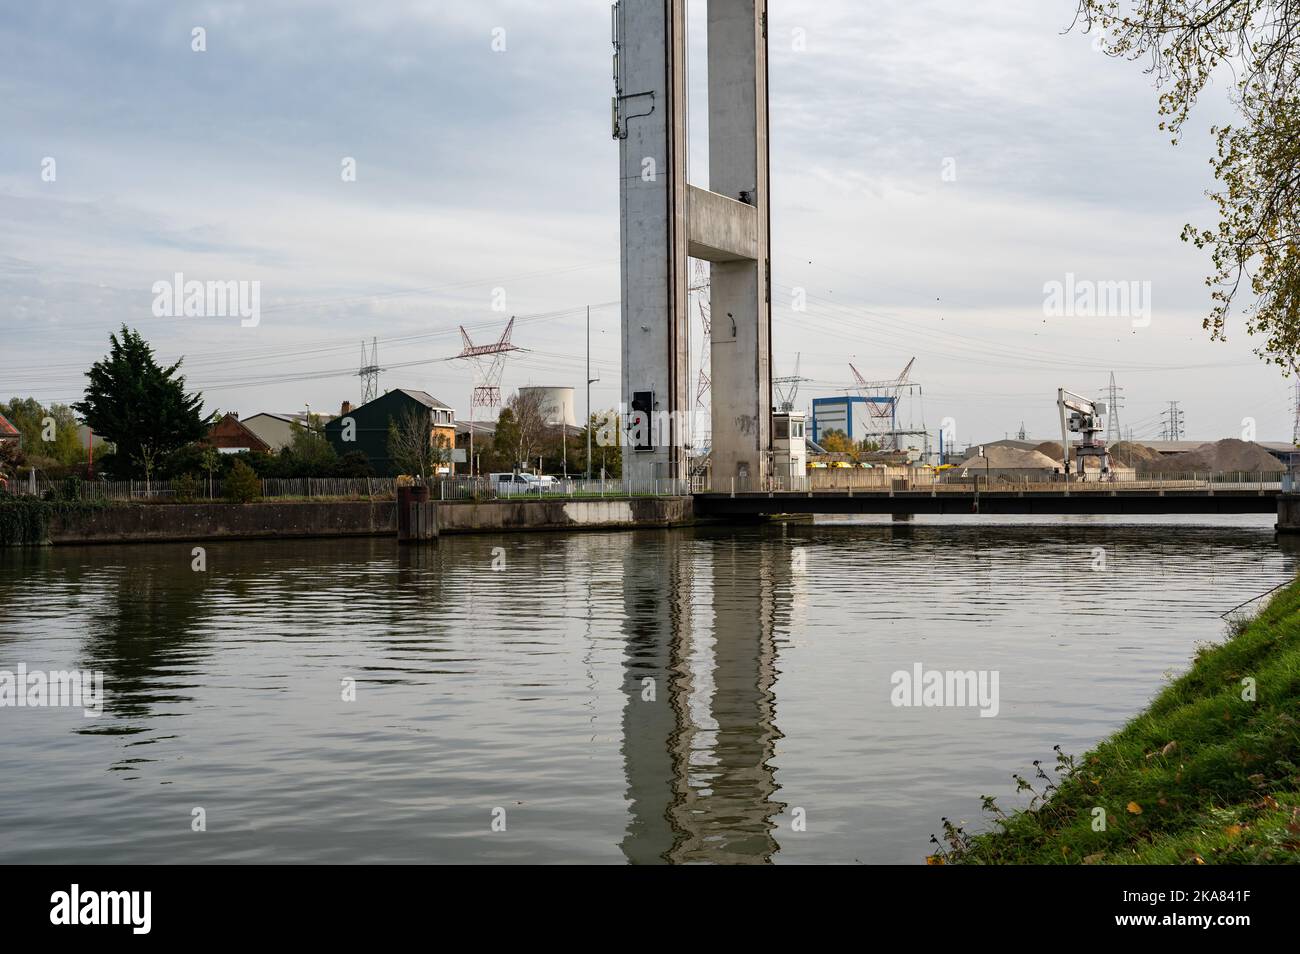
{"x": 665, "y": 221}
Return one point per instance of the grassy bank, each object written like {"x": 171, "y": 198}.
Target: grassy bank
{"x": 1205, "y": 775}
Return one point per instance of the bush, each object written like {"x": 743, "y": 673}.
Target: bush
{"x": 264, "y": 465}
{"x": 186, "y": 487}
{"x": 25, "y": 521}
{"x": 182, "y": 461}
{"x": 242, "y": 485}
{"x": 354, "y": 464}
{"x": 69, "y": 488}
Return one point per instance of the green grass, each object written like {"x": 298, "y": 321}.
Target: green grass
{"x": 1203, "y": 776}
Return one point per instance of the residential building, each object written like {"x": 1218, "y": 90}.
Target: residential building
{"x": 8, "y": 432}
{"x": 277, "y": 429}
{"x": 231, "y": 436}
{"x": 366, "y": 428}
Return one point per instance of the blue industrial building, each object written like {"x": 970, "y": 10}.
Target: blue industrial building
{"x": 850, "y": 414}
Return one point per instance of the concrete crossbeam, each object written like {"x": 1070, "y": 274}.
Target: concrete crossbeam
{"x": 722, "y": 229}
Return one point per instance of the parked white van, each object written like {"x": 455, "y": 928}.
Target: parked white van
{"x": 508, "y": 483}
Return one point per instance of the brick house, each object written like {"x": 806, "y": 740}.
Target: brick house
{"x": 230, "y": 436}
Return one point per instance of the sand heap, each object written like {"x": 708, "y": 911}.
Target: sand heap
{"x": 1051, "y": 449}
{"x": 1227, "y": 456}
{"x": 1009, "y": 458}
{"x": 1137, "y": 456}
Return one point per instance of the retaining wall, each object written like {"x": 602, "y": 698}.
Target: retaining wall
{"x": 226, "y": 521}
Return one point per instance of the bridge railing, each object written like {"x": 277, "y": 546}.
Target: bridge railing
{"x": 867, "y": 481}
{"x": 1222, "y": 481}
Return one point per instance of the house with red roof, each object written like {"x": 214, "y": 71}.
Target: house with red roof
{"x": 8, "y": 432}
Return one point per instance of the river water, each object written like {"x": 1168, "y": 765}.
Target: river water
{"x": 705, "y": 695}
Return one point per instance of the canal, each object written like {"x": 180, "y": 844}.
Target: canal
{"x": 705, "y": 695}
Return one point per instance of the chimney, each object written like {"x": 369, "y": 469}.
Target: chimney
{"x": 347, "y": 408}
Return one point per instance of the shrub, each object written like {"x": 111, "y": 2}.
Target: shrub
{"x": 242, "y": 485}
{"x": 25, "y": 521}
{"x": 354, "y": 464}
{"x": 186, "y": 487}
{"x": 69, "y": 488}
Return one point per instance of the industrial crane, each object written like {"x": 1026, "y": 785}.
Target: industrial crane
{"x": 1079, "y": 415}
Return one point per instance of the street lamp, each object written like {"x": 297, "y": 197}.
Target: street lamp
{"x": 590, "y": 382}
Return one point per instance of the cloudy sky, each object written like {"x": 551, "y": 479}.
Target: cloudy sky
{"x": 479, "y": 169}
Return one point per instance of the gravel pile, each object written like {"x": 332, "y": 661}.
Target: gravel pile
{"x": 1051, "y": 449}
{"x": 1226, "y": 456}
{"x": 1137, "y": 456}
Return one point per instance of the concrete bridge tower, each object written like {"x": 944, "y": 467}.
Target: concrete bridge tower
{"x": 665, "y": 221}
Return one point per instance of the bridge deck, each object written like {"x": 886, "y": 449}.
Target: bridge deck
{"x": 1075, "y": 501}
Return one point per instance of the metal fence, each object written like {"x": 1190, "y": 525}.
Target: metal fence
{"x": 481, "y": 488}
{"x": 362, "y": 488}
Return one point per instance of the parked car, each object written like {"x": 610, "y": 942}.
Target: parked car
{"x": 519, "y": 483}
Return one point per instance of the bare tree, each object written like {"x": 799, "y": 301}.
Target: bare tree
{"x": 442, "y": 451}
{"x": 531, "y": 424}
{"x": 410, "y": 443}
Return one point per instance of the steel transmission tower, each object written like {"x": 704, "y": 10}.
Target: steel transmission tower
{"x": 700, "y": 288}
{"x": 369, "y": 373}
{"x": 1173, "y": 423}
{"x": 1114, "y": 401}
{"x": 787, "y": 388}
{"x": 882, "y": 403}
{"x": 489, "y": 364}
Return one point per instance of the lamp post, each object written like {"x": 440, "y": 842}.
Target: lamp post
{"x": 590, "y": 382}
{"x": 589, "y": 392}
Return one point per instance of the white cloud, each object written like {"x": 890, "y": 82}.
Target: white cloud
{"x": 477, "y": 168}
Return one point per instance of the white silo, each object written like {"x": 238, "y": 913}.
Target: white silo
{"x": 556, "y": 405}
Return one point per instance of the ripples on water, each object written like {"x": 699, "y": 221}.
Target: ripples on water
{"x": 641, "y": 697}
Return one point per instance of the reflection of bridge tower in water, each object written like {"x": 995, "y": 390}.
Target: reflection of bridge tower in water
{"x": 698, "y": 757}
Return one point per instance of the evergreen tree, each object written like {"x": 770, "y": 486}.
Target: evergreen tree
{"x": 242, "y": 485}
{"x": 138, "y": 405}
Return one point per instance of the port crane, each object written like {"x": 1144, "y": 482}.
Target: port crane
{"x": 1084, "y": 417}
